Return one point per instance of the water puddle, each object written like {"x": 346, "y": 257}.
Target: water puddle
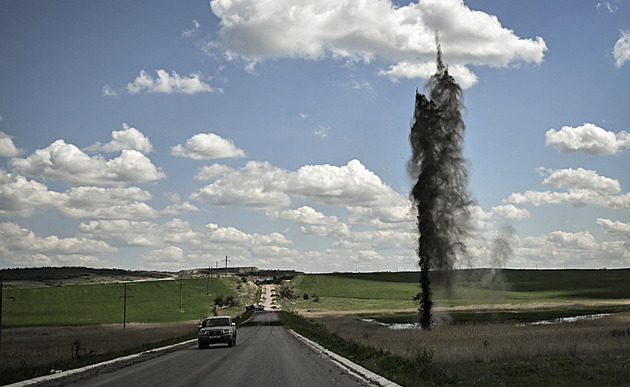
{"x": 397, "y": 326}
{"x": 561, "y": 320}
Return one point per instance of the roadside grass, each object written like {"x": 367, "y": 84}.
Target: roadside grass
{"x": 150, "y": 301}
{"x": 24, "y": 372}
{"x": 489, "y": 342}
{"x": 418, "y": 370}
{"x": 593, "y": 352}
{"x": 570, "y": 371}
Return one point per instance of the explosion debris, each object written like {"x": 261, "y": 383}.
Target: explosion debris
{"x": 439, "y": 195}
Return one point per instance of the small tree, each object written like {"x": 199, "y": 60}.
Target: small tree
{"x": 305, "y": 296}
{"x": 287, "y": 291}
{"x": 218, "y": 300}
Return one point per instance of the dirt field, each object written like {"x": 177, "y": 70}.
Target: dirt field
{"x": 31, "y": 347}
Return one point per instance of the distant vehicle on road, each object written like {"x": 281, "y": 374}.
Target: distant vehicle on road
{"x": 253, "y": 306}
{"x": 213, "y": 330}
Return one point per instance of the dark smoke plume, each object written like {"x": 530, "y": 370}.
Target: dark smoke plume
{"x": 440, "y": 194}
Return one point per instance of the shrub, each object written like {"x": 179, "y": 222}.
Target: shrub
{"x": 230, "y": 301}
{"x": 218, "y": 300}
{"x": 305, "y": 296}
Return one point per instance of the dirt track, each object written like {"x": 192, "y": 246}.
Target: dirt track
{"x": 520, "y": 306}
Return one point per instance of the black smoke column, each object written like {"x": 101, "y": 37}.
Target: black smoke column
{"x": 440, "y": 195}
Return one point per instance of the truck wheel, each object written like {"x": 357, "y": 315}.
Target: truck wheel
{"x": 231, "y": 343}
{"x": 203, "y": 345}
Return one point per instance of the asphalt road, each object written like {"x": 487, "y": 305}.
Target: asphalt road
{"x": 266, "y": 354}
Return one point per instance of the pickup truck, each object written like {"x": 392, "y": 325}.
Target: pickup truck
{"x": 213, "y": 330}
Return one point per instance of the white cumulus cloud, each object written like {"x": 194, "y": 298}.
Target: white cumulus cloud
{"x": 22, "y": 247}
{"x": 313, "y": 222}
{"x": 22, "y": 197}
{"x": 253, "y": 186}
{"x": 621, "y": 51}
{"x": 7, "y": 148}
{"x": 364, "y": 30}
{"x": 66, "y": 162}
{"x": 167, "y": 257}
{"x": 169, "y": 83}
{"x": 207, "y": 146}
{"x": 106, "y": 203}
{"x": 128, "y": 138}
{"x": 580, "y": 179}
{"x": 511, "y": 212}
{"x": 208, "y": 172}
{"x": 588, "y": 138}
{"x": 615, "y": 227}
{"x": 260, "y": 185}
{"x": 583, "y": 187}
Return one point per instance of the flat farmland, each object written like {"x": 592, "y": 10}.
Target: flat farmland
{"x": 147, "y": 302}
{"x": 469, "y": 290}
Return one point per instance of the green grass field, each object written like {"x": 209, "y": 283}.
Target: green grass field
{"x": 158, "y": 301}
{"x": 150, "y": 301}
{"x": 361, "y": 291}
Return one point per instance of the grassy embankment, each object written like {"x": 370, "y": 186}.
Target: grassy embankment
{"x": 483, "y": 345}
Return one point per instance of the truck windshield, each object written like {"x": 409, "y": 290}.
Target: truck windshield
{"x": 216, "y": 322}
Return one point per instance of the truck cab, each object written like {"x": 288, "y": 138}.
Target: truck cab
{"x": 214, "y": 330}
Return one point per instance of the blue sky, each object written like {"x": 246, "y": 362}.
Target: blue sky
{"x": 168, "y": 135}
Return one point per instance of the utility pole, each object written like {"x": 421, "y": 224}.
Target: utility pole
{"x": 125, "y": 307}
{"x": 208, "y": 283}
{"x": 124, "y": 297}
{"x": 181, "y": 305}
{"x": 226, "y": 266}
{"x": 1, "y": 286}
{"x": 1, "y": 299}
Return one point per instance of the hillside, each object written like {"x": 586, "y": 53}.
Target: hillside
{"x": 73, "y": 275}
